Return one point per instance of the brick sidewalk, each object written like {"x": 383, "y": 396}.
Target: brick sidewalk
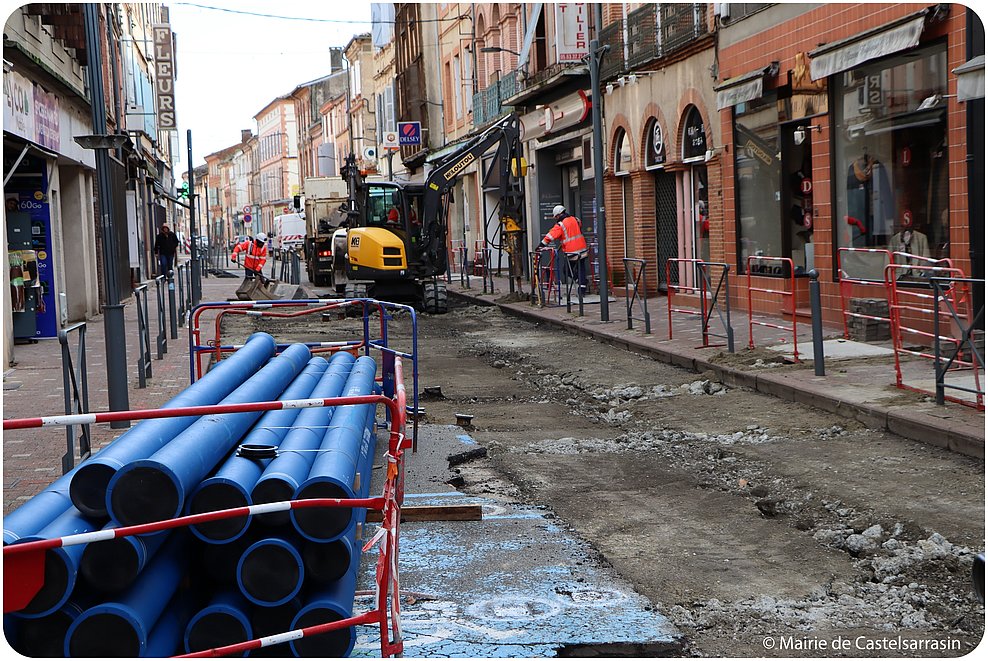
{"x": 33, "y": 386}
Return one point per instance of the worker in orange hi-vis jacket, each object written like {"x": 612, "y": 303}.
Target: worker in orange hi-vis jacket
{"x": 567, "y": 231}
{"x": 255, "y": 254}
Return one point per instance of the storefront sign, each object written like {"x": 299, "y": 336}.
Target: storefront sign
{"x": 694, "y": 135}
{"x": 46, "y": 118}
{"x": 806, "y": 186}
{"x": 164, "y": 76}
{"x": 554, "y": 117}
{"x": 656, "y": 150}
{"x": 572, "y": 34}
{"x": 18, "y": 106}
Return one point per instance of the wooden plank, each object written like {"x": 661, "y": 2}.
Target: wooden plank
{"x": 434, "y": 513}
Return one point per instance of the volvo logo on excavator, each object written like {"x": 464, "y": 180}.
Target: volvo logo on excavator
{"x": 459, "y": 166}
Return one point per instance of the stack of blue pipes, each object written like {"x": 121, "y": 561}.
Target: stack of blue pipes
{"x": 222, "y": 582}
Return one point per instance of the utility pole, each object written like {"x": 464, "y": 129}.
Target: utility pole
{"x": 596, "y": 55}
{"x": 196, "y": 273}
{"x": 115, "y": 338}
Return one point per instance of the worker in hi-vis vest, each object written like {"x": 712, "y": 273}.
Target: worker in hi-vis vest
{"x": 567, "y": 231}
{"x": 255, "y": 254}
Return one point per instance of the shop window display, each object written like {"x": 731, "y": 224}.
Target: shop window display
{"x": 758, "y": 172}
{"x": 890, "y": 166}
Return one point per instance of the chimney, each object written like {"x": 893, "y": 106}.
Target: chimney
{"x": 335, "y": 59}
{"x": 245, "y": 135}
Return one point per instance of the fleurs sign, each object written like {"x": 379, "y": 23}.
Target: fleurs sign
{"x": 164, "y": 76}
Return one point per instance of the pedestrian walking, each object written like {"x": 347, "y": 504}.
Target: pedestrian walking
{"x": 255, "y": 254}
{"x": 165, "y": 247}
{"x": 567, "y": 231}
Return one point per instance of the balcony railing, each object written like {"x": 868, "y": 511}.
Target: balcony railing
{"x": 653, "y": 30}
{"x": 643, "y": 35}
{"x": 680, "y": 24}
{"x": 613, "y": 61}
{"x": 487, "y": 104}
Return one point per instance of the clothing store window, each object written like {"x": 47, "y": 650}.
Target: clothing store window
{"x": 890, "y": 162}
{"x": 758, "y": 173}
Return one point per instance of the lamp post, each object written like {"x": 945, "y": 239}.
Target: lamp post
{"x": 101, "y": 143}
{"x": 595, "y": 56}
{"x": 498, "y": 49}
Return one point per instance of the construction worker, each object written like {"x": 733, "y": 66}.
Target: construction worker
{"x": 567, "y": 231}
{"x": 255, "y": 254}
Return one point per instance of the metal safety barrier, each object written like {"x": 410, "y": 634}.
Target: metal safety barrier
{"x": 941, "y": 290}
{"x": 143, "y": 336}
{"x": 291, "y": 267}
{"x": 161, "y": 339}
{"x": 75, "y": 388}
{"x": 180, "y": 281}
{"x": 713, "y": 297}
{"x": 773, "y": 267}
{"x": 914, "y": 306}
{"x": 861, "y": 279}
{"x": 712, "y": 293}
{"x": 571, "y": 275}
{"x": 634, "y": 290}
{"x": 544, "y": 285}
{"x": 684, "y": 267}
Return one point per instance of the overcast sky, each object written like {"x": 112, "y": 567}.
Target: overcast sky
{"x": 230, "y": 64}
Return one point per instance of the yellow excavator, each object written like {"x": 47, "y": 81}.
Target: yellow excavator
{"x": 394, "y": 247}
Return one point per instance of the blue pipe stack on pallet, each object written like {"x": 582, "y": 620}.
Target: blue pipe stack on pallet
{"x": 223, "y": 582}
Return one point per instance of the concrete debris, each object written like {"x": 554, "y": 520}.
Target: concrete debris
{"x": 704, "y": 387}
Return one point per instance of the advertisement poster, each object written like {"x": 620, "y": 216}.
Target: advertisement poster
{"x": 28, "y": 194}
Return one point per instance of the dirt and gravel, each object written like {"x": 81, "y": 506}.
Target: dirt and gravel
{"x": 759, "y": 527}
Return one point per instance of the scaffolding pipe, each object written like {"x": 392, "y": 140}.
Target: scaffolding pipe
{"x": 156, "y": 488}
{"x": 295, "y": 455}
{"x": 231, "y": 485}
{"x": 336, "y": 467}
{"x": 89, "y": 484}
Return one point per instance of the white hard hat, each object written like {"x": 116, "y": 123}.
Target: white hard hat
{"x": 261, "y": 236}
{"x": 557, "y": 210}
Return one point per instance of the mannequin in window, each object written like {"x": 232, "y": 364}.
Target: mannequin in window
{"x": 870, "y": 205}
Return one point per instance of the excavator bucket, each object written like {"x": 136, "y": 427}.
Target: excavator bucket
{"x": 255, "y": 289}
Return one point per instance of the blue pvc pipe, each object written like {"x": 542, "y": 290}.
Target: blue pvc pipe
{"x": 61, "y": 564}
{"x": 89, "y": 484}
{"x": 343, "y": 450}
{"x": 154, "y": 489}
{"x": 230, "y": 486}
{"x": 328, "y": 605}
{"x": 114, "y": 564}
{"x": 165, "y": 638}
{"x": 121, "y": 627}
{"x": 44, "y": 637}
{"x": 39, "y": 511}
{"x": 270, "y": 621}
{"x": 295, "y": 455}
{"x": 222, "y": 622}
{"x": 271, "y": 572}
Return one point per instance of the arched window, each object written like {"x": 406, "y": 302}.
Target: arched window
{"x": 694, "y": 135}
{"x": 622, "y": 153}
{"x": 655, "y": 147}
{"x": 482, "y": 57}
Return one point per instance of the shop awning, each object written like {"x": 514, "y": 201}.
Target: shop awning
{"x": 746, "y": 87}
{"x": 848, "y": 53}
{"x": 971, "y": 79}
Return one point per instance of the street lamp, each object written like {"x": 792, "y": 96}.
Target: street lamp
{"x": 498, "y": 49}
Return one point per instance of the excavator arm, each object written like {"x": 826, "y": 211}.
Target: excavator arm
{"x": 507, "y": 166}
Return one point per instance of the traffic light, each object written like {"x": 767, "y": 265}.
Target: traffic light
{"x": 183, "y": 190}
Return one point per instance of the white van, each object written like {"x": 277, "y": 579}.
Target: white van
{"x": 289, "y": 232}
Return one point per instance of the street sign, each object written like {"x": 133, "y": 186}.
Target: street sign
{"x": 247, "y": 209}
{"x": 390, "y": 140}
{"x": 247, "y": 217}
{"x": 409, "y": 133}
